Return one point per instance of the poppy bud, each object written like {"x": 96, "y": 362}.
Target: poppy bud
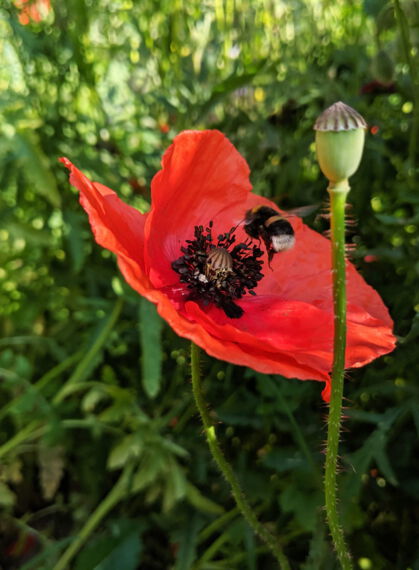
{"x": 340, "y": 134}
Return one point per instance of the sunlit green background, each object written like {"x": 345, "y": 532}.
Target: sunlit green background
{"x": 94, "y": 385}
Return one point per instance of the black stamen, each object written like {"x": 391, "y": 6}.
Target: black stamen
{"x": 219, "y": 273}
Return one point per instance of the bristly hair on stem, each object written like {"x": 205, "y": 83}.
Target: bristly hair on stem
{"x": 338, "y": 193}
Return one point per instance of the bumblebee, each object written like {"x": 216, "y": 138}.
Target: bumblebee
{"x": 262, "y": 222}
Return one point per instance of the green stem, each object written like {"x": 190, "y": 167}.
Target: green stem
{"x": 338, "y": 195}
{"x": 31, "y": 431}
{"x": 225, "y": 467}
{"x": 41, "y": 383}
{"x": 58, "y": 369}
{"x": 91, "y": 354}
{"x": 216, "y": 525}
{"x": 118, "y": 492}
{"x": 35, "y": 430}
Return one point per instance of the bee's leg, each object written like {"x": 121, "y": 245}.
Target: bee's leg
{"x": 270, "y": 257}
{"x": 268, "y": 246}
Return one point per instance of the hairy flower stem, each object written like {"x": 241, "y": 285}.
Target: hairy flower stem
{"x": 225, "y": 468}
{"x": 338, "y": 193}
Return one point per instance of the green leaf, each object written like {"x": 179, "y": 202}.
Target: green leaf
{"x": 118, "y": 547}
{"x": 374, "y": 448}
{"x": 283, "y": 460}
{"x": 383, "y": 462}
{"x": 319, "y": 547}
{"x": 175, "y": 485}
{"x": 373, "y": 7}
{"x": 7, "y": 497}
{"x": 125, "y": 555}
{"x": 130, "y": 446}
{"x": 36, "y": 166}
{"x": 200, "y": 502}
{"x": 92, "y": 398}
{"x": 302, "y": 504}
{"x": 174, "y": 448}
{"x": 152, "y": 465}
{"x": 75, "y": 223}
{"x": 151, "y": 350}
{"x": 186, "y": 537}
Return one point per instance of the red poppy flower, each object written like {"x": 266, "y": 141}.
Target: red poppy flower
{"x": 170, "y": 256}
{"x": 32, "y": 10}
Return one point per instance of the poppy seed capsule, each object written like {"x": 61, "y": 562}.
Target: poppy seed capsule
{"x": 219, "y": 264}
{"x": 340, "y": 134}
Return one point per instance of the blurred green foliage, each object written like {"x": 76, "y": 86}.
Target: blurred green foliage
{"x": 99, "y": 437}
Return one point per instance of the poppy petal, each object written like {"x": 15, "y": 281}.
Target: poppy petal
{"x": 115, "y": 225}
{"x": 202, "y": 175}
{"x": 295, "y": 346}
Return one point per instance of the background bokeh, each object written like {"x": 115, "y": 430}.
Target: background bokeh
{"x": 99, "y": 435}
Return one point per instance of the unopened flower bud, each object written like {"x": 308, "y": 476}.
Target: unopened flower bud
{"x": 340, "y": 134}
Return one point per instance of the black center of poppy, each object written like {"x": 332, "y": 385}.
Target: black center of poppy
{"x": 219, "y": 271}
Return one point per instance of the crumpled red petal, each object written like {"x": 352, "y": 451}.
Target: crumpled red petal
{"x": 115, "y": 225}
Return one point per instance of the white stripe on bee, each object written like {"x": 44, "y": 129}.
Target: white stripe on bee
{"x": 282, "y": 242}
